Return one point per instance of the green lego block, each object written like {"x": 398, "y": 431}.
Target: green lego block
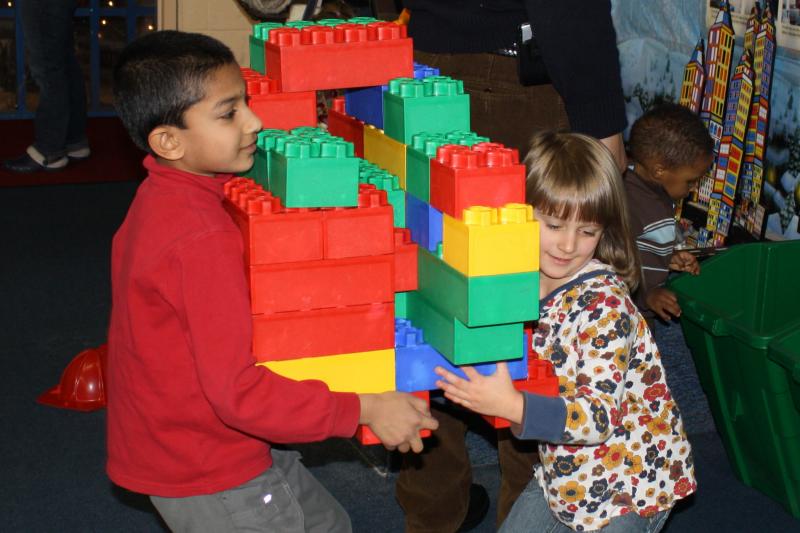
{"x": 314, "y": 173}
{"x": 436, "y": 104}
{"x": 418, "y": 163}
{"x": 420, "y": 152}
{"x": 300, "y": 24}
{"x": 460, "y": 344}
{"x": 390, "y": 183}
{"x": 266, "y": 141}
{"x": 478, "y": 300}
{"x": 401, "y": 305}
{"x": 465, "y": 138}
{"x": 256, "y": 43}
{"x": 362, "y": 20}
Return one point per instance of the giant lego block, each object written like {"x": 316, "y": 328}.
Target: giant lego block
{"x": 385, "y": 152}
{"x": 486, "y": 174}
{"x": 266, "y": 141}
{"x": 277, "y": 109}
{"x": 541, "y": 380}
{"x": 436, "y": 104}
{"x": 335, "y": 330}
{"x": 365, "y": 436}
{"x": 345, "y": 126}
{"x": 405, "y": 261}
{"x": 415, "y": 361}
{"x": 384, "y": 181}
{"x": 401, "y": 305}
{"x": 422, "y": 149}
{"x": 366, "y": 103}
{"x": 272, "y": 234}
{"x": 424, "y": 221}
{"x": 491, "y": 241}
{"x": 367, "y": 230}
{"x": 338, "y": 57}
{"x": 256, "y": 44}
{"x": 323, "y": 283}
{"x": 460, "y": 344}
{"x": 311, "y": 173}
{"x": 362, "y": 373}
{"x": 478, "y": 300}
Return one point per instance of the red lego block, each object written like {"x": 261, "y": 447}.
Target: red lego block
{"x": 271, "y": 233}
{"x": 345, "y": 126}
{"x": 365, "y": 436}
{"x": 338, "y": 57}
{"x": 365, "y": 230}
{"x": 276, "y": 109}
{"x": 541, "y": 380}
{"x": 486, "y": 174}
{"x": 336, "y": 330}
{"x": 323, "y": 283}
{"x": 405, "y": 261}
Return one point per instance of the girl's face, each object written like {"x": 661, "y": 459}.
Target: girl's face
{"x": 565, "y": 246}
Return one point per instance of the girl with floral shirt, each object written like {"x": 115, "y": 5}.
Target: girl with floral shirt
{"x": 614, "y": 453}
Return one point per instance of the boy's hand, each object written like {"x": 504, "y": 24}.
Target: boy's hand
{"x": 493, "y": 395}
{"x": 396, "y": 418}
{"x": 684, "y": 262}
{"x": 663, "y": 302}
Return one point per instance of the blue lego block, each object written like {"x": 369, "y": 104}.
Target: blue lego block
{"x": 366, "y": 103}
{"x": 424, "y": 221}
{"x": 415, "y": 361}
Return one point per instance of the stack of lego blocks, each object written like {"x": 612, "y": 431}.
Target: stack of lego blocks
{"x": 331, "y": 219}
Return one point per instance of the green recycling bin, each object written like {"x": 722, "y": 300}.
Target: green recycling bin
{"x": 745, "y": 299}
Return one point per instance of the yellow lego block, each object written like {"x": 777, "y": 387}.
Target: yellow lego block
{"x": 361, "y": 372}
{"x": 491, "y": 241}
{"x": 385, "y": 152}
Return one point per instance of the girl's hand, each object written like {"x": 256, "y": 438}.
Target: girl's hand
{"x": 493, "y": 395}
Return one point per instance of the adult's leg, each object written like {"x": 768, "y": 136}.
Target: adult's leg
{"x": 49, "y": 43}
{"x": 517, "y": 459}
{"x": 433, "y": 487}
{"x": 501, "y": 108}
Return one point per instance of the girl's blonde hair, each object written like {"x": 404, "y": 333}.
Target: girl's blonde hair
{"x": 574, "y": 175}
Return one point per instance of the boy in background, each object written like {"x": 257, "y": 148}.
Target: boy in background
{"x": 670, "y": 149}
{"x": 190, "y": 416}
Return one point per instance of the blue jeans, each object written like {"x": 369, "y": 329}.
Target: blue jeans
{"x": 60, "y": 121}
{"x": 531, "y": 513}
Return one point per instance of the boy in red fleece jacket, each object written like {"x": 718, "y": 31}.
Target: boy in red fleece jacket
{"x": 190, "y": 416}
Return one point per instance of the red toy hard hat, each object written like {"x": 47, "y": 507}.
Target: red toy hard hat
{"x": 81, "y": 386}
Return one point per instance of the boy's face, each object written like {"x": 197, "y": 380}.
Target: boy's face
{"x": 220, "y": 133}
{"x": 680, "y": 181}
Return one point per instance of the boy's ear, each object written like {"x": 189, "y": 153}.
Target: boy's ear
{"x": 165, "y": 142}
{"x": 658, "y": 170}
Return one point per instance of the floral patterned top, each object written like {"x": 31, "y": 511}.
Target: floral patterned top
{"x": 623, "y": 447}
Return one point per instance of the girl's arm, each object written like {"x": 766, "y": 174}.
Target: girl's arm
{"x": 604, "y": 324}
{"x": 495, "y": 395}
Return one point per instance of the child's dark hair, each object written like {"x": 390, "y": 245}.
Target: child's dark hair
{"x": 161, "y": 75}
{"x": 574, "y": 175}
{"x": 670, "y": 135}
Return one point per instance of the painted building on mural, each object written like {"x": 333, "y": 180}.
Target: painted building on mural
{"x": 749, "y": 212}
{"x": 731, "y": 151}
{"x": 718, "y": 64}
{"x": 694, "y": 75}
